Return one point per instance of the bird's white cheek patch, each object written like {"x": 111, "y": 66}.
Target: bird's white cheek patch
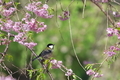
{"x": 51, "y": 46}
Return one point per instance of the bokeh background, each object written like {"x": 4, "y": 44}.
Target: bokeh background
{"x": 88, "y": 34}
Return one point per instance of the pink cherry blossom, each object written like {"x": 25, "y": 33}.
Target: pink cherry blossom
{"x": 118, "y": 24}
{"x": 45, "y": 6}
{"x": 18, "y": 37}
{"x": 32, "y": 6}
{"x": 97, "y": 75}
{"x": 4, "y": 41}
{"x": 110, "y": 53}
{"x": 103, "y": 1}
{"x": 56, "y": 64}
{"x": 93, "y": 73}
{"x": 112, "y": 48}
{"x": 27, "y": 16}
{"x": 41, "y": 11}
{"x": 110, "y": 31}
{"x": 30, "y": 45}
{"x": 7, "y": 78}
{"x": 1, "y": 1}
{"x": 69, "y": 72}
{"x": 8, "y": 12}
{"x": 17, "y": 26}
{"x": 90, "y": 72}
{"x": 7, "y": 26}
{"x": 65, "y": 15}
{"x": 116, "y": 14}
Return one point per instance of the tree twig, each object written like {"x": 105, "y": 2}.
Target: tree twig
{"x": 97, "y": 4}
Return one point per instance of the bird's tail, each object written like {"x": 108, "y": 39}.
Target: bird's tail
{"x": 35, "y": 58}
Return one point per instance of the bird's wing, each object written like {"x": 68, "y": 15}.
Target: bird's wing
{"x": 45, "y": 52}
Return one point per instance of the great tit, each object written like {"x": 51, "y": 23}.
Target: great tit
{"x": 46, "y": 53}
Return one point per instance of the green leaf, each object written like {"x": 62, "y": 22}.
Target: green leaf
{"x": 38, "y": 77}
{"x": 30, "y": 34}
{"x": 17, "y": 3}
{"x": 7, "y": 1}
{"x": 50, "y": 10}
{"x": 46, "y": 61}
{"x": 94, "y": 69}
{"x": 2, "y": 35}
{"x": 118, "y": 28}
{"x": 30, "y": 73}
{"x": 89, "y": 66}
{"x": 49, "y": 65}
{"x": 74, "y": 77}
{"x": 9, "y": 57}
{"x": 40, "y": 70}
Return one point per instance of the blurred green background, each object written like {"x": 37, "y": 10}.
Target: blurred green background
{"x": 88, "y": 35}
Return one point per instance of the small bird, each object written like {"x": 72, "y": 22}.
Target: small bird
{"x": 46, "y": 53}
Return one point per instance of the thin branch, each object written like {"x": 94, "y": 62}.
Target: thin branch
{"x": 46, "y": 1}
{"x": 61, "y": 6}
{"x": 50, "y": 75}
{"x": 100, "y": 66}
{"x": 6, "y": 49}
{"x": 71, "y": 38}
{"x": 84, "y": 5}
{"x": 16, "y": 10}
{"x": 21, "y": 71}
{"x": 116, "y": 2}
{"x": 112, "y": 22}
{"x": 5, "y": 68}
{"x": 72, "y": 73}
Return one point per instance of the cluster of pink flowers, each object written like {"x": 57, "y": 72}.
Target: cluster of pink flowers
{"x": 65, "y": 15}
{"x": 112, "y": 50}
{"x": 112, "y": 31}
{"x": 4, "y": 41}
{"x": 103, "y": 1}
{"x": 91, "y": 72}
{"x": 7, "y": 78}
{"x": 0, "y": 1}
{"x": 41, "y": 11}
{"x": 86, "y": 62}
{"x": 7, "y": 10}
{"x": 22, "y": 39}
{"x": 116, "y": 14}
{"x": 110, "y": 53}
{"x": 27, "y": 24}
{"x": 58, "y": 64}
{"x": 69, "y": 72}
{"x": 33, "y": 25}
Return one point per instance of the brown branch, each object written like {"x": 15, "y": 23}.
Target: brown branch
{"x": 97, "y": 4}
{"x": 6, "y": 49}
{"x": 5, "y": 68}
{"x": 50, "y": 75}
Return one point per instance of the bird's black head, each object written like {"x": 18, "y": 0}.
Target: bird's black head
{"x": 50, "y": 46}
